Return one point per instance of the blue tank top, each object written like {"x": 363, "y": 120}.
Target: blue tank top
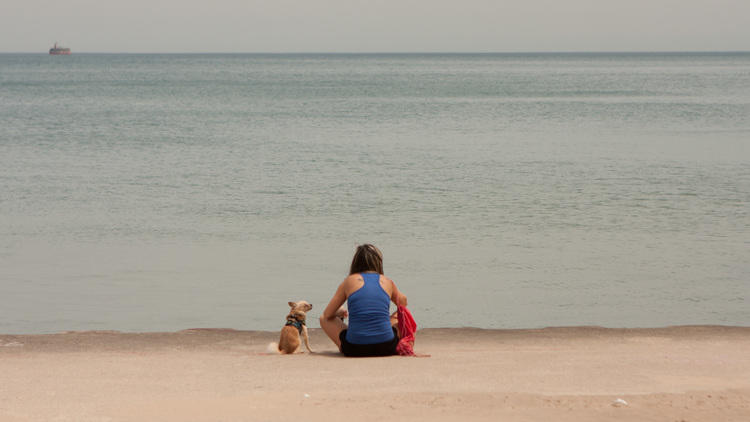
{"x": 369, "y": 318}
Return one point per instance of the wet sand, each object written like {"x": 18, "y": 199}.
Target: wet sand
{"x": 696, "y": 373}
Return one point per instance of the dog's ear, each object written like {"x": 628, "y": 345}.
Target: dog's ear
{"x": 292, "y": 304}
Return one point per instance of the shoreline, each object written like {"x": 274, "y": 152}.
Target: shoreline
{"x": 113, "y": 340}
{"x": 563, "y": 373}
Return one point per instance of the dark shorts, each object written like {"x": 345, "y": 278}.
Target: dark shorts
{"x": 387, "y": 348}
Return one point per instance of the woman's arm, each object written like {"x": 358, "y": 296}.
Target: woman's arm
{"x": 396, "y": 296}
{"x": 337, "y": 300}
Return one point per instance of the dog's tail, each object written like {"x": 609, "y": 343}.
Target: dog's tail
{"x": 273, "y": 347}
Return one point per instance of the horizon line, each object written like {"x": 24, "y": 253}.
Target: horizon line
{"x": 397, "y": 52}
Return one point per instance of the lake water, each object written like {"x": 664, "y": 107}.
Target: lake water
{"x": 163, "y": 192}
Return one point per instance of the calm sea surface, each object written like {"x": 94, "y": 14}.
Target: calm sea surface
{"x": 163, "y": 192}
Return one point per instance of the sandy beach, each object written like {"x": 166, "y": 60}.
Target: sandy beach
{"x": 691, "y": 373}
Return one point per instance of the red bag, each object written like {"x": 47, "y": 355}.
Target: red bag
{"x": 407, "y": 328}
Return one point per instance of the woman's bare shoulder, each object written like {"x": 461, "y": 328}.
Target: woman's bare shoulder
{"x": 353, "y": 277}
{"x": 352, "y": 283}
{"x": 352, "y": 280}
{"x": 386, "y": 280}
{"x": 387, "y": 284}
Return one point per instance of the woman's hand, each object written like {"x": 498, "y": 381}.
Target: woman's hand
{"x": 342, "y": 313}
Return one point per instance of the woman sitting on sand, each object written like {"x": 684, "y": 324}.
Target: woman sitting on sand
{"x": 371, "y": 331}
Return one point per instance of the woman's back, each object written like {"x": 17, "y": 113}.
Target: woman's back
{"x": 369, "y": 319}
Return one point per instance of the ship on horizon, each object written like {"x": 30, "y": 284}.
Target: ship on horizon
{"x": 59, "y": 50}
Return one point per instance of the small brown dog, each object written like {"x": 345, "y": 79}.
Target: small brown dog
{"x": 289, "y": 342}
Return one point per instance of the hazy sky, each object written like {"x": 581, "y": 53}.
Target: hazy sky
{"x": 374, "y": 26}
